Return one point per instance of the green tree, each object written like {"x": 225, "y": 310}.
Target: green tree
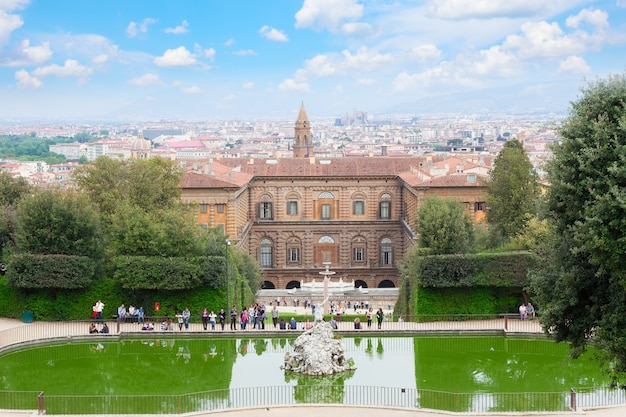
{"x": 512, "y": 190}
{"x": 443, "y": 226}
{"x": 59, "y": 242}
{"x": 149, "y": 183}
{"x": 582, "y": 284}
{"x": 11, "y": 190}
{"x": 59, "y": 223}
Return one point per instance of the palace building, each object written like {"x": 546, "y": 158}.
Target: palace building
{"x": 295, "y": 214}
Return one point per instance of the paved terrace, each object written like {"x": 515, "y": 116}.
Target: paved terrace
{"x": 14, "y": 332}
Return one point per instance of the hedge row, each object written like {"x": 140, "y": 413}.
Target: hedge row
{"x": 508, "y": 269}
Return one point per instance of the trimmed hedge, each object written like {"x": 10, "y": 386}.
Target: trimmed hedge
{"x": 27, "y": 270}
{"x": 476, "y": 300}
{"x": 153, "y": 272}
{"x": 508, "y": 269}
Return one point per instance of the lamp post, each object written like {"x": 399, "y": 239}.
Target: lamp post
{"x": 227, "y": 310}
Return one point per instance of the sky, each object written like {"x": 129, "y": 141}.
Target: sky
{"x": 250, "y": 59}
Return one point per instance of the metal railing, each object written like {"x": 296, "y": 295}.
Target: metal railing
{"x": 290, "y": 395}
{"x": 346, "y": 395}
{"x": 459, "y": 323}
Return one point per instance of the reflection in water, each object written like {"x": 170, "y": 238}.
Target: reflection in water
{"x": 174, "y": 366}
{"x": 328, "y": 389}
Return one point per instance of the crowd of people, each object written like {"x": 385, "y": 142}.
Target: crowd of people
{"x": 252, "y": 317}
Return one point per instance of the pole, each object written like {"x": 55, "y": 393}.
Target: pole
{"x": 227, "y": 309}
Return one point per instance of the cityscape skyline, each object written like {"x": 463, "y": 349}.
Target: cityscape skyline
{"x": 115, "y": 60}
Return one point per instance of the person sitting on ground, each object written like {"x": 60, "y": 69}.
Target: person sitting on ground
{"x": 105, "y": 328}
{"x": 93, "y": 328}
{"x": 292, "y": 324}
{"x": 282, "y": 325}
{"x": 357, "y": 324}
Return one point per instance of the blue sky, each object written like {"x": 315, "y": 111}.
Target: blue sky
{"x": 210, "y": 59}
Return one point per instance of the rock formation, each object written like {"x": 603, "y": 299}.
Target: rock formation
{"x": 317, "y": 352}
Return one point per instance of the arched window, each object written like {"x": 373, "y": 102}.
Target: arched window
{"x": 326, "y": 239}
{"x": 292, "y": 204}
{"x": 265, "y": 207}
{"x": 325, "y": 194}
{"x": 384, "y": 206}
{"x": 265, "y": 253}
{"x": 386, "y": 253}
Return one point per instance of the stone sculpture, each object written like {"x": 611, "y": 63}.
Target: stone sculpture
{"x": 317, "y": 352}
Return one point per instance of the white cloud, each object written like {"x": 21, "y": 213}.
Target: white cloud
{"x": 206, "y": 53}
{"x": 245, "y": 52}
{"x": 8, "y": 23}
{"x": 542, "y": 39}
{"x": 71, "y": 68}
{"x": 574, "y": 65}
{"x": 357, "y": 29}
{"x": 148, "y": 79}
{"x": 100, "y": 59}
{"x": 292, "y": 85}
{"x": 24, "y": 55}
{"x": 327, "y": 14}
{"x": 229, "y": 42}
{"x": 209, "y": 53}
{"x": 425, "y": 53}
{"x": 133, "y": 29}
{"x": 27, "y": 81}
{"x": 248, "y": 85}
{"x": 273, "y": 34}
{"x": 483, "y": 9}
{"x": 364, "y": 60}
{"x": 179, "y": 30}
{"x": 179, "y": 57}
{"x": 190, "y": 90}
{"x": 494, "y": 62}
{"x": 597, "y": 18}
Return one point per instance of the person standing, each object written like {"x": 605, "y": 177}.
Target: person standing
{"x": 179, "y": 317}
{"x": 275, "y": 316}
{"x": 233, "y": 318}
{"x": 121, "y": 313}
{"x": 186, "y": 315}
{"x": 380, "y": 316}
{"x": 221, "y": 316}
{"x": 141, "y": 314}
{"x": 205, "y": 318}
{"x": 99, "y": 307}
{"x": 212, "y": 317}
{"x": 368, "y": 316}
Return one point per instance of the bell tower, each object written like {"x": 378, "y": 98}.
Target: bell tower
{"x": 302, "y": 140}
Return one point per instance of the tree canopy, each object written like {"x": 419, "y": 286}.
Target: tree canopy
{"x": 582, "y": 284}
{"x": 145, "y": 183}
{"x": 443, "y": 226}
{"x": 512, "y": 190}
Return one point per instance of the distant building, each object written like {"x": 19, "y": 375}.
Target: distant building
{"x": 358, "y": 213}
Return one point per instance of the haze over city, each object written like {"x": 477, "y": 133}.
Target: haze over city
{"x": 113, "y": 59}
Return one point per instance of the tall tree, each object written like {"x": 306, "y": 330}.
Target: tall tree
{"x": 11, "y": 190}
{"x": 443, "y": 226}
{"x": 59, "y": 242}
{"x": 512, "y": 190}
{"x": 582, "y": 285}
{"x": 146, "y": 183}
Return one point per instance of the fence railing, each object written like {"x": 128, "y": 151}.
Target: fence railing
{"x": 347, "y": 395}
{"x": 417, "y": 324}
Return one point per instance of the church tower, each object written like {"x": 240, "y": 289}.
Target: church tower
{"x": 302, "y": 141}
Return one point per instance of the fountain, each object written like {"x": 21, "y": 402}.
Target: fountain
{"x": 326, "y": 287}
{"x": 317, "y": 352}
